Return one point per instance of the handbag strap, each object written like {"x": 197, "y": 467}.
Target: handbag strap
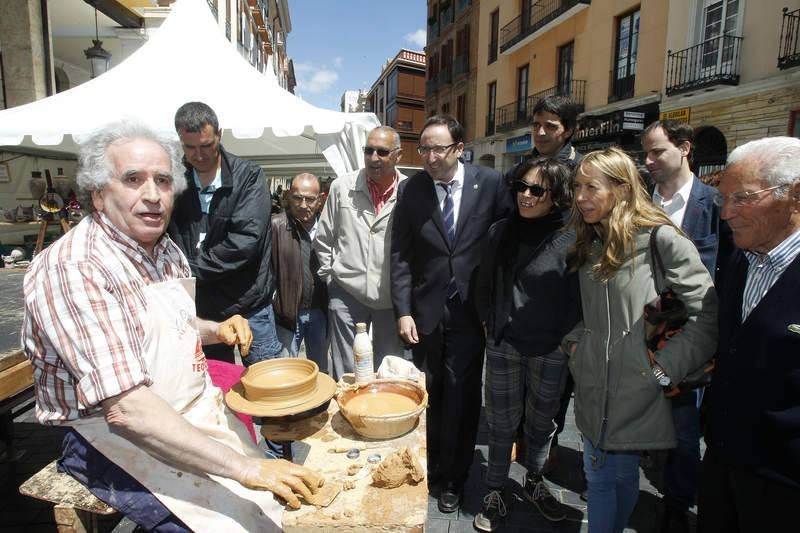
{"x": 655, "y": 259}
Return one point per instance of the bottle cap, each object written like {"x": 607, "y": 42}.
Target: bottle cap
{"x": 361, "y": 327}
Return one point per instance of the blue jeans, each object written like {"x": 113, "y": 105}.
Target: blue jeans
{"x": 682, "y": 469}
{"x": 613, "y": 485}
{"x": 311, "y": 328}
{"x": 265, "y": 340}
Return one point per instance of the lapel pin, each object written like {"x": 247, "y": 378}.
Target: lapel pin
{"x": 475, "y": 186}
{"x": 794, "y": 328}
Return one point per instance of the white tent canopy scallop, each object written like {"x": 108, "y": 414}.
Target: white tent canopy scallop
{"x": 189, "y": 59}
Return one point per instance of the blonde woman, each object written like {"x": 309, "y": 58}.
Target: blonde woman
{"x": 620, "y": 407}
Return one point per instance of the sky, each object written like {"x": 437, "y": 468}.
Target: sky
{"x": 340, "y": 45}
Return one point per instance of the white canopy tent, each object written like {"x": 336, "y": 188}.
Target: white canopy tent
{"x": 188, "y": 59}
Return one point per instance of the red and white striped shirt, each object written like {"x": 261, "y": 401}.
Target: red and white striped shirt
{"x": 84, "y": 305}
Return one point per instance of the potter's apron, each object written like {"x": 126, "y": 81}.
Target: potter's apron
{"x": 177, "y": 366}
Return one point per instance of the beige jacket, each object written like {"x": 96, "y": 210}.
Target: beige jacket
{"x": 353, "y": 244}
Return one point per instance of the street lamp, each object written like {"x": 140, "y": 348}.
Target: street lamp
{"x": 98, "y": 56}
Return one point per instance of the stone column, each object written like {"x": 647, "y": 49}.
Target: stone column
{"x": 23, "y": 48}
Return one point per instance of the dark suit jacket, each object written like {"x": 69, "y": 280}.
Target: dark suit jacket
{"x": 423, "y": 260}
{"x": 701, "y": 223}
{"x": 754, "y": 401}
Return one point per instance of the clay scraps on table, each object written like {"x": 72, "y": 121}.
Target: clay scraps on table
{"x": 399, "y": 468}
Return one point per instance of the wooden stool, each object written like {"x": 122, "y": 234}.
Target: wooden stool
{"x": 76, "y": 509}
{"x": 43, "y": 232}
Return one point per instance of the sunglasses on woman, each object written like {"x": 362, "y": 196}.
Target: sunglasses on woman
{"x": 536, "y": 190}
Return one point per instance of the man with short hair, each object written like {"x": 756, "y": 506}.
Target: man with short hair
{"x": 111, "y": 332}
{"x": 689, "y": 204}
{"x": 301, "y": 299}
{"x": 441, "y": 219}
{"x": 222, "y": 224}
{"x": 352, "y": 244}
{"x": 751, "y": 468}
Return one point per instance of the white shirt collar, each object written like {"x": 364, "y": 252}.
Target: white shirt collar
{"x": 683, "y": 192}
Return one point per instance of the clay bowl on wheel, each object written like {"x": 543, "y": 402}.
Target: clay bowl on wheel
{"x": 384, "y": 408}
{"x": 280, "y": 382}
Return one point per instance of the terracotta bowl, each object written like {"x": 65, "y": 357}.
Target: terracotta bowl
{"x": 383, "y": 426}
{"x": 280, "y": 382}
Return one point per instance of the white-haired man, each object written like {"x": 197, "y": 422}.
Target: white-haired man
{"x": 751, "y": 469}
{"x": 110, "y": 329}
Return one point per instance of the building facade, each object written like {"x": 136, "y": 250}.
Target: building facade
{"x": 353, "y": 101}
{"x": 452, "y": 51}
{"x": 733, "y": 73}
{"x": 398, "y": 100}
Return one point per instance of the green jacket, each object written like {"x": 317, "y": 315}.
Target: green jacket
{"x": 613, "y": 379}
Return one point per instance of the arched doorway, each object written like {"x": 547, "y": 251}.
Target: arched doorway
{"x": 710, "y": 150}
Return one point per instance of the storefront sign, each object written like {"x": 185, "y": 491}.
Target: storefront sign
{"x": 519, "y": 144}
{"x": 632, "y": 120}
{"x": 592, "y": 128}
{"x": 681, "y": 115}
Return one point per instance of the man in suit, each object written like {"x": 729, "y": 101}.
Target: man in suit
{"x": 751, "y": 469}
{"x": 441, "y": 217}
{"x": 689, "y": 203}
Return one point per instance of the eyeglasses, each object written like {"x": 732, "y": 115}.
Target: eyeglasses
{"x": 299, "y": 199}
{"x": 536, "y": 190}
{"x": 382, "y": 152}
{"x": 743, "y": 198}
{"x": 438, "y": 149}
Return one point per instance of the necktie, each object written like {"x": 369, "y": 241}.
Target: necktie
{"x": 448, "y": 212}
{"x": 448, "y": 215}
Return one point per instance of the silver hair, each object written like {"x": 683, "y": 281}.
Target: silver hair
{"x": 778, "y": 159}
{"x": 95, "y": 170}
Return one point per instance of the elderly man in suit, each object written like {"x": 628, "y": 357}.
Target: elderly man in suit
{"x": 441, "y": 217}
{"x": 751, "y": 469}
{"x": 689, "y": 203}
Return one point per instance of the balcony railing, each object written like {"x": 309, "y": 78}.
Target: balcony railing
{"x": 461, "y": 65}
{"x": 433, "y": 30}
{"x": 512, "y": 116}
{"x": 712, "y": 62}
{"x": 575, "y": 90}
{"x": 789, "y": 52}
{"x": 538, "y": 14}
{"x": 621, "y": 88}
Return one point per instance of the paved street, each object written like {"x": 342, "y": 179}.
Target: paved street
{"x": 41, "y": 445}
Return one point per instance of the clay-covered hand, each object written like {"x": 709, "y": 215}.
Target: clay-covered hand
{"x": 282, "y": 478}
{"x": 236, "y": 330}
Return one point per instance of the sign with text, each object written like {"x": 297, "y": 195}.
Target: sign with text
{"x": 681, "y": 115}
{"x": 519, "y": 144}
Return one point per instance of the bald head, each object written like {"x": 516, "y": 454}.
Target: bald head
{"x": 304, "y": 199}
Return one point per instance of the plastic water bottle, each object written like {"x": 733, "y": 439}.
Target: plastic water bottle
{"x": 362, "y": 355}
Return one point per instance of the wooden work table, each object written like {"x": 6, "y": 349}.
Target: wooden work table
{"x": 364, "y": 508}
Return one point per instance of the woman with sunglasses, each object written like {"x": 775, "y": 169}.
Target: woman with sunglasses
{"x": 528, "y": 301}
{"x": 620, "y": 405}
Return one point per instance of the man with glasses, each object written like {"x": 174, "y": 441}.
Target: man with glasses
{"x": 689, "y": 204}
{"x": 301, "y": 299}
{"x": 441, "y": 219}
{"x": 751, "y": 468}
{"x": 352, "y": 244}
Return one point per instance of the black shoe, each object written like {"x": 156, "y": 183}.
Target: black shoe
{"x": 536, "y": 491}
{"x": 492, "y": 513}
{"x": 449, "y": 498}
{"x": 674, "y": 520}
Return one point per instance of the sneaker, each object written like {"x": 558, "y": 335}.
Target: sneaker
{"x": 493, "y": 512}
{"x": 536, "y": 491}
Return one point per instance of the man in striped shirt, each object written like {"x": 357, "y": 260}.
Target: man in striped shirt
{"x": 751, "y": 469}
{"x": 89, "y": 330}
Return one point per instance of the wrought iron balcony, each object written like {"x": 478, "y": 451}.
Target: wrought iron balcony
{"x": 520, "y": 114}
{"x": 575, "y": 90}
{"x": 712, "y": 62}
{"x": 789, "y": 52}
{"x": 536, "y": 15}
{"x": 461, "y": 65}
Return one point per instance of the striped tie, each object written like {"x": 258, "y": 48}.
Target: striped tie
{"x": 448, "y": 215}
{"x": 448, "y": 212}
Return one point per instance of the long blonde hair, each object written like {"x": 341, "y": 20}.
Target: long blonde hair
{"x": 633, "y": 209}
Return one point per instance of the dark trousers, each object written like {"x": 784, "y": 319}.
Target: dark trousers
{"x": 735, "y": 500}
{"x": 452, "y": 358}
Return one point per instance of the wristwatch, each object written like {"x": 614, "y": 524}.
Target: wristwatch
{"x": 661, "y": 377}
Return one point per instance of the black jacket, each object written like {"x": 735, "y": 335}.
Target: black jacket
{"x": 232, "y": 265}
{"x": 567, "y": 154}
{"x": 553, "y": 307}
